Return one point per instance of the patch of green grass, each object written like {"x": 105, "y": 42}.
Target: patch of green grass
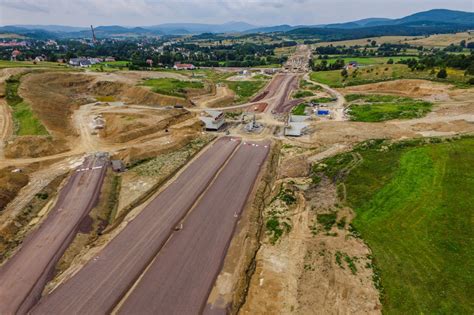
{"x": 26, "y": 122}
{"x": 172, "y": 87}
{"x": 386, "y": 107}
{"x": 31, "y": 64}
{"x": 327, "y": 220}
{"x": 322, "y": 100}
{"x": 378, "y": 73}
{"x": 414, "y": 206}
{"x": 245, "y": 89}
{"x": 302, "y": 93}
{"x": 299, "y": 109}
{"x": 331, "y": 167}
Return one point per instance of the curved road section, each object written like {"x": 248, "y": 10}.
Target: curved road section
{"x": 23, "y": 277}
{"x": 179, "y": 280}
{"x": 105, "y": 279}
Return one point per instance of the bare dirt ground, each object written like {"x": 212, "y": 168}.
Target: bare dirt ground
{"x": 298, "y": 273}
{"x": 222, "y": 96}
{"x": 428, "y": 90}
{"x": 133, "y": 77}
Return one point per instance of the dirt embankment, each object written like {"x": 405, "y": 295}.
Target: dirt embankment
{"x": 428, "y": 90}
{"x": 10, "y": 184}
{"x": 34, "y": 146}
{"x": 131, "y": 94}
{"x": 124, "y": 127}
{"x": 54, "y": 96}
{"x": 15, "y": 230}
{"x": 309, "y": 262}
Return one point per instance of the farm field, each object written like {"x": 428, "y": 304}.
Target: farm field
{"x": 371, "y": 108}
{"x": 378, "y": 73}
{"x": 414, "y": 209}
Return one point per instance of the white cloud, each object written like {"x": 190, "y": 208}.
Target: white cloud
{"x": 259, "y": 12}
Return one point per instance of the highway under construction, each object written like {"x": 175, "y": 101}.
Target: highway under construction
{"x": 167, "y": 258}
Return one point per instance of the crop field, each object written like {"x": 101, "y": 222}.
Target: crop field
{"x": 372, "y": 108}
{"x": 414, "y": 208}
{"x": 26, "y": 122}
{"x": 172, "y": 87}
{"x": 379, "y": 73}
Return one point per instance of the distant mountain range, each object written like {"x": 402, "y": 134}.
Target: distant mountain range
{"x": 418, "y": 23}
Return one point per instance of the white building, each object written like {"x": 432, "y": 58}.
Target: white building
{"x": 213, "y": 119}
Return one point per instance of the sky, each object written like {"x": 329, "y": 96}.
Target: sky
{"x": 256, "y": 12}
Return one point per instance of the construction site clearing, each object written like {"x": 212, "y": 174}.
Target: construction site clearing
{"x": 140, "y": 202}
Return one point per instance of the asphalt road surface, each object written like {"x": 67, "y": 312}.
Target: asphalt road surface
{"x": 103, "y": 281}
{"x": 23, "y": 276}
{"x": 181, "y": 277}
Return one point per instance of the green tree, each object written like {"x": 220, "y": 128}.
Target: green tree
{"x": 442, "y": 74}
{"x": 344, "y": 73}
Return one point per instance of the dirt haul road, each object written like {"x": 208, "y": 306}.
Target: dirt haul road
{"x": 180, "y": 278}
{"x": 276, "y": 95}
{"x": 23, "y": 277}
{"x": 103, "y": 281}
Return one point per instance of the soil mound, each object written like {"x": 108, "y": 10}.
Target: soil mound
{"x": 34, "y": 146}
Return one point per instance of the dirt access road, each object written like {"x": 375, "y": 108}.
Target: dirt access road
{"x": 338, "y": 109}
{"x": 104, "y": 280}
{"x": 180, "y": 278}
{"x": 276, "y": 94}
{"x": 23, "y": 277}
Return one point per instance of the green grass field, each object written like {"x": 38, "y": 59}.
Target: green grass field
{"x": 245, "y": 89}
{"x": 299, "y": 109}
{"x": 372, "y": 108}
{"x": 30, "y": 64}
{"x": 414, "y": 207}
{"x": 378, "y": 73}
{"x": 302, "y": 93}
{"x": 26, "y": 122}
{"x": 172, "y": 87}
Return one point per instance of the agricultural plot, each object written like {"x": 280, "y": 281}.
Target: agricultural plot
{"x": 414, "y": 203}
{"x": 373, "y": 108}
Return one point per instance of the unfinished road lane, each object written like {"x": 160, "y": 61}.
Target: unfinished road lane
{"x": 103, "y": 281}
{"x": 180, "y": 278}
{"x": 23, "y": 277}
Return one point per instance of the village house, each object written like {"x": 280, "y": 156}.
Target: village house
{"x": 184, "y": 66}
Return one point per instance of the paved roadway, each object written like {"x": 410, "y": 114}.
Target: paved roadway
{"x": 23, "y": 276}
{"x": 180, "y": 279}
{"x": 102, "y": 282}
